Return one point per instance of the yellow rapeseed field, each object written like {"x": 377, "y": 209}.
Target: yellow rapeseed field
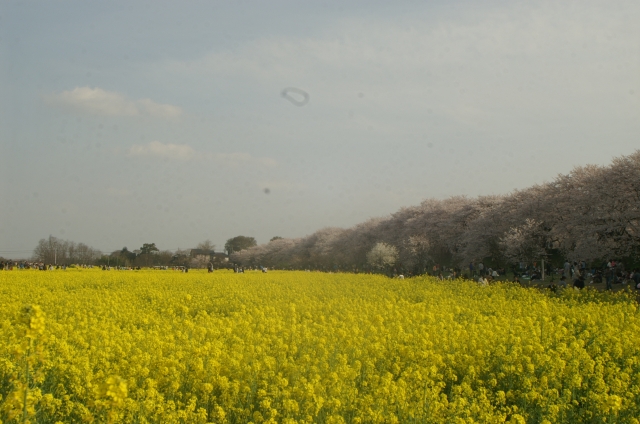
{"x": 165, "y": 347}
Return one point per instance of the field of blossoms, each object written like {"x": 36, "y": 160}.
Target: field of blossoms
{"x": 165, "y": 347}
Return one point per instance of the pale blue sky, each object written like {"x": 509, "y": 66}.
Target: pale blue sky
{"x": 130, "y": 122}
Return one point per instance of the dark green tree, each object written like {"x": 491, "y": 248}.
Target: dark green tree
{"x": 148, "y": 248}
{"x": 239, "y": 243}
{"x": 126, "y": 255}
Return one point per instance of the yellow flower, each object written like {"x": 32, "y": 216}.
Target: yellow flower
{"x": 152, "y": 346}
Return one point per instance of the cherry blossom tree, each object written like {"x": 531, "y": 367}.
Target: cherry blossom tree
{"x": 589, "y": 214}
{"x": 382, "y": 256}
{"x": 525, "y": 243}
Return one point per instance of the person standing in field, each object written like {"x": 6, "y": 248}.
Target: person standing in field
{"x": 611, "y": 274}
{"x": 575, "y": 271}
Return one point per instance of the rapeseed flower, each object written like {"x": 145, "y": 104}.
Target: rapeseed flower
{"x": 157, "y": 346}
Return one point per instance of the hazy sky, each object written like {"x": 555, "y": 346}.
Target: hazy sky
{"x": 126, "y": 122}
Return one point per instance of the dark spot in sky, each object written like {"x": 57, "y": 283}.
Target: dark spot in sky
{"x": 361, "y": 95}
{"x": 267, "y": 191}
{"x": 296, "y": 96}
{"x": 429, "y": 145}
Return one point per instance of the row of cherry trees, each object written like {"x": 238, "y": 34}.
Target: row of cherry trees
{"x": 590, "y": 214}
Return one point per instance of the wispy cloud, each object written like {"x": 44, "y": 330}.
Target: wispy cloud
{"x": 235, "y": 159}
{"x": 184, "y": 152}
{"x": 157, "y": 149}
{"x": 548, "y": 58}
{"x": 110, "y": 103}
{"x": 152, "y": 108}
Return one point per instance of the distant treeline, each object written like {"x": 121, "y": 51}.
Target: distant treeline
{"x": 591, "y": 214}
{"x": 53, "y": 250}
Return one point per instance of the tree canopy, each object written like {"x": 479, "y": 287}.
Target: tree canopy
{"x": 55, "y": 250}
{"x": 382, "y": 256}
{"x": 206, "y": 245}
{"x": 238, "y": 243}
{"x": 148, "y": 248}
{"x": 590, "y": 214}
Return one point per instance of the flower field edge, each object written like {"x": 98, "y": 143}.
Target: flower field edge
{"x": 158, "y": 346}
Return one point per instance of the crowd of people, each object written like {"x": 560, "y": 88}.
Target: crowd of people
{"x": 576, "y": 274}
{"x": 10, "y": 265}
{"x": 612, "y": 272}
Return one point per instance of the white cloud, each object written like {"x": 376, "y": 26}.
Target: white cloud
{"x": 95, "y": 100}
{"x": 235, "y": 159}
{"x": 169, "y": 151}
{"x": 160, "y": 110}
{"x": 110, "y": 103}
{"x": 185, "y": 152}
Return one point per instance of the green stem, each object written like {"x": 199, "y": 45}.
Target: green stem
{"x": 26, "y": 386}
